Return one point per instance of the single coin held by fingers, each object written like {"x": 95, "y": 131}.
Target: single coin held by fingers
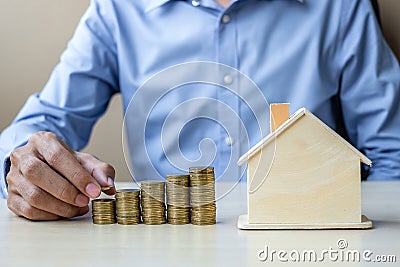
{"x": 106, "y": 188}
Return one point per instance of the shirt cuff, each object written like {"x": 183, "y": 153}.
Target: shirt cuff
{"x": 4, "y": 169}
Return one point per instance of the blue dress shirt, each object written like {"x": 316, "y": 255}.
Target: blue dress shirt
{"x": 327, "y": 56}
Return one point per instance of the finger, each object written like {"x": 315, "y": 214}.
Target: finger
{"x": 40, "y": 199}
{"x": 40, "y": 174}
{"x": 110, "y": 192}
{"x": 21, "y": 208}
{"x": 64, "y": 162}
{"x": 103, "y": 172}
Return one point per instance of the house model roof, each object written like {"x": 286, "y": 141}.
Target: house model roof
{"x": 295, "y": 117}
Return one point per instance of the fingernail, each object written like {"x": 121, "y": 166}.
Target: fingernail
{"x": 110, "y": 181}
{"x": 83, "y": 210}
{"x": 93, "y": 190}
{"x": 81, "y": 200}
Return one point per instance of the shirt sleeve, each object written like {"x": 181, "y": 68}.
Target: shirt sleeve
{"x": 77, "y": 93}
{"x": 370, "y": 90}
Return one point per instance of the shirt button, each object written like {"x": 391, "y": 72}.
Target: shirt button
{"x": 228, "y": 79}
{"x": 229, "y": 141}
{"x": 226, "y": 19}
{"x": 195, "y": 3}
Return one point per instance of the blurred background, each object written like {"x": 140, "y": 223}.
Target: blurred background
{"x": 33, "y": 34}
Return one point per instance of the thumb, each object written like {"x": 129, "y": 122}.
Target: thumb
{"x": 103, "y": 172}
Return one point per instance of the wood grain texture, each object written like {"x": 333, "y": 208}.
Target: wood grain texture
{"x": 243, "y": 224}
{"x": 305, "y": 175}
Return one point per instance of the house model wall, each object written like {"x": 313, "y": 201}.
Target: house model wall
{"x": 304, "y": 174}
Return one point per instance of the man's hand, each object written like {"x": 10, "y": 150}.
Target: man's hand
{"x": 49, "y": 181}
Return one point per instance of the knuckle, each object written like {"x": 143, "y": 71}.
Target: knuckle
{"x": 15, "y": 156}
{"x": 37, "y": 137}
{"x": 67, "y": 211}
{"x": 107, "y": 167}
{"x": 82, "y": 155}
{"x": 55, "y": 156}
{"x": 9, "y": 201}
{"x": 29, "y": 166}
{"x": 42, "y": 135}
{"x": 51, "y": 135}
{"x": 34, "y": 196}
{"x": 76, "y": 176}
{"x": 10, "y": 178}
{"x": 43, "y": 139}
{"x": 11, "y": 204}
{"x": 64, "y": 192}
{"x": 29, "y": 212}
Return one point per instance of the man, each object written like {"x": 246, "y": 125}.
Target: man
{"x": 328, "y": 56}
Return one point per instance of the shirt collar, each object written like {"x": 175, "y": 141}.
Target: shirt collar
{"x": 152, "y": 4}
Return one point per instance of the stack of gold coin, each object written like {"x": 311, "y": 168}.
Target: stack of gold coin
{"x": 153, "y": 199}
{"x": 178, "y": 209}
{"x": 103, "y": 210}
{"x": 128, "y": 206}
{"x": 202, "y": 195}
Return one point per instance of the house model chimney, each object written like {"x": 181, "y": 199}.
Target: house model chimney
{"x": 279, "y": 113}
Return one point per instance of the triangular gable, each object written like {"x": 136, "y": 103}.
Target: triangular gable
{"x": 295, "y": 117}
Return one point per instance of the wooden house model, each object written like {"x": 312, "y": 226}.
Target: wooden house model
{"x": 303, "y": 175}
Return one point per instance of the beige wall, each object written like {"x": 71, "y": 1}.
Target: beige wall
{"x": 390, "y": 10}
{"x": 33, "y": 33}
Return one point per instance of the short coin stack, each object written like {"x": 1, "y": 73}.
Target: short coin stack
{"x": 128, "y": 206}
{"x": 103, "y": 210}
{"x": 178, "y": 209}
{"x": 202, "y": 195}
{"x": 153, "y": 198}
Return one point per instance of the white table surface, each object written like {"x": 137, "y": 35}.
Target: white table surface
{"x": 78, "y": 242}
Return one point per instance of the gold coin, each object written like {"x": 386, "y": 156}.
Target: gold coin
{"x": 152, "y": 202}
{"x": 103, "y": 211}
{"x": 201, "y": 169}
{"x": 128, "y": 206}
{"x": 178, "y": 198}
{"x": 202, "y": 196}
{"x": 106, "y": 188}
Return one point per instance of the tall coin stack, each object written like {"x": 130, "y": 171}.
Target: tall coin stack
{"x": 153, "y": 198}
{"x": 103, "y": 210}
{"x": 178, "y": 209}
{"x": 128, "y": 206}
{"x": 202, "y": 195}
